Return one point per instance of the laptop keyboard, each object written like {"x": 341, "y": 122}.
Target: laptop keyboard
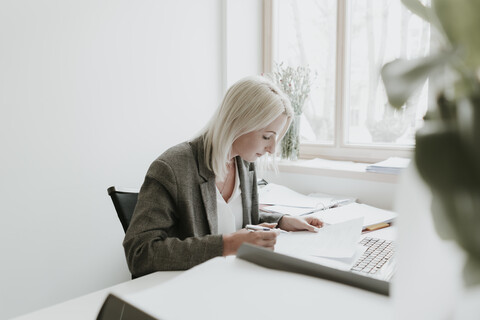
{"x": 378, "y": 252}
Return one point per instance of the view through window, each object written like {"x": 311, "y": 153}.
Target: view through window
{"x": 345, "y": 46}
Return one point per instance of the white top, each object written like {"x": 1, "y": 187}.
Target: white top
{"x": 230, "y": 214}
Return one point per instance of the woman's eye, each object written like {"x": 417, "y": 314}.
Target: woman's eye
{"x": 266, "y": 138}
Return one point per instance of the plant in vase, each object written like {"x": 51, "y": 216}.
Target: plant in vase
{"x": 296, "y": 84}
{"x": 447, "y": 152}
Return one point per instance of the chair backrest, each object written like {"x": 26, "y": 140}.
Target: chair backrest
{"x": 124, "y": 202}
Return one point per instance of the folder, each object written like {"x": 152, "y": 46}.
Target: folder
{"x": 280, "y": 199}
{"x": 269, "y": 259}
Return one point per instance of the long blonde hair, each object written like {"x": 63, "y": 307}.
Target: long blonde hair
{"x": 251, "y": 104}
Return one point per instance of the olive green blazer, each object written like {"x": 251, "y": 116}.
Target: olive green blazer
{"x": 175, "y": 226}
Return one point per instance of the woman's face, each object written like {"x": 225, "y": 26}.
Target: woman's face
{"x": 255, "y": 144}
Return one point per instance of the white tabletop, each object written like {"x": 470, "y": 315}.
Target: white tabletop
{"x": 236, "y": 289}
{"x": 86, "y": 307}
{"x": 325, "y": 298}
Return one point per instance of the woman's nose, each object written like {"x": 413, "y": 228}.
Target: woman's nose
{"x": 270, "y": 148}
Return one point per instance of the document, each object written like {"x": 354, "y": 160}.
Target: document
{"x": 370, "y": 215}
{"x": 293, "y": 211}
{"x": 274, "y": 194}
{"x": 332, "y": 241}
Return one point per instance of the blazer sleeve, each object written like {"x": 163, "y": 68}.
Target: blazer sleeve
{"x": 270, "y": 217}
{"x": 154, "y": 240}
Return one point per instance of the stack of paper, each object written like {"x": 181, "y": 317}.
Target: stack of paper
{"x": 277, "y": 198}
{"x": 392, "y": 165}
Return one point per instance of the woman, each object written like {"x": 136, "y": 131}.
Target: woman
{"x": 198, "y": 195}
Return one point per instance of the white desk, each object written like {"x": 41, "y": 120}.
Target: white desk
{"x": 235, "y": 289}
{"x": 87, "y": 306}
{"x": 260, "y": 289}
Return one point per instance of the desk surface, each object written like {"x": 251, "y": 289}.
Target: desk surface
{"x": 235, "y": 289}
{"x": 86, "y": 307}
{"x": 309, "y": 297}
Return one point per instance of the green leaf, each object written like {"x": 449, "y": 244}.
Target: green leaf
{"x": 461, "y": 23}
{"x": 403, "y": 77}
{"x": 444, "y": 159}
{"x": 426, "y": 13}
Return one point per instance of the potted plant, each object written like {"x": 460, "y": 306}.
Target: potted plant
{"x": 296, "y": 84}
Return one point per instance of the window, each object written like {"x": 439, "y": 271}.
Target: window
{"x": 346, "y": 42}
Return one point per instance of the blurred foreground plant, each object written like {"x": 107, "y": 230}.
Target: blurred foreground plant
{"x": 447, "y": 152}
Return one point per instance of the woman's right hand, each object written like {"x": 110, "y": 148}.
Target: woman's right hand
{"x": 233, "y": 241}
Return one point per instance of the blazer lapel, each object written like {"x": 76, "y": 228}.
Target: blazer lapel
{"x": 207, "y": 186}
{"x": 210, "y": 204}
{"x": 246, "y": 176}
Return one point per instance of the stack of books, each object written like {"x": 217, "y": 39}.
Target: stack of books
{"x": 392, "y": 165}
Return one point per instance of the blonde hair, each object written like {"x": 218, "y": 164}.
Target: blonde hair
{"x": 251, "y": 104}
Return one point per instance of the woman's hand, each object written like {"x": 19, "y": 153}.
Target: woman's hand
{"x": 233, "y": 241}
{"x": 308, "y": 223}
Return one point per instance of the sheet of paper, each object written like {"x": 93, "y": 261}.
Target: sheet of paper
{"x": 337, "y": 263}
{"x": 335, "y": 165}
{"x": 335, "y": 241}
{"x": 371, "y": 215}
{"x": 293, "y": 211}
{"x": 393, "y": 162}
{"x": 334, "y": 200}
{"x": 275, "y": 194}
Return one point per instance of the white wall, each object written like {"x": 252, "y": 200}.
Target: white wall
{"x": 243, "y": 39}
{"x": 90, "y": 93}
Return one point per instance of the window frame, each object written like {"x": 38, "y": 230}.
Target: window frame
{"x": 339, "y": 150}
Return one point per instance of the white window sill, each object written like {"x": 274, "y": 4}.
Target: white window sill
{"x": 332, "y": 168}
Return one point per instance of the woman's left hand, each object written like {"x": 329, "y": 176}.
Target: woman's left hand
{"x": 308, "y": 223}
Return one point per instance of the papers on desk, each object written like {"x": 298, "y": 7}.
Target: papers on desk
{"x": 336, "y": 244}
{"x": 393, "y": 165}
{"x": 280, "y": 199}
{"x": 333, "y": 241}
{"x": 370, "y": 215}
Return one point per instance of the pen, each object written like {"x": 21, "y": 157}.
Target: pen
{"x": 377, "y": 226}
{"x": 257, "y": 228}
{"x": 260, "y": 228}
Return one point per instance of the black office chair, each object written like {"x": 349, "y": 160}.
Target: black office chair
{"x": 124, "y": 202}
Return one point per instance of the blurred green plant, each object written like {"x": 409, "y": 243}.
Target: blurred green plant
{"x": 447, "y": 152}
